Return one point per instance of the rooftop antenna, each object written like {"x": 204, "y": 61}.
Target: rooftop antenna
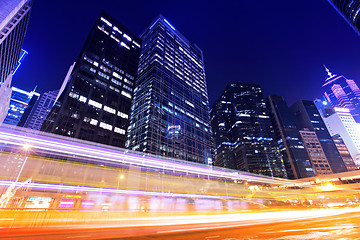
{"x": 328, "y": 72}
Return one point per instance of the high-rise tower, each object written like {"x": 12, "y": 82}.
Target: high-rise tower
{"x": 95, "y": 103}
{"x": 170, "y": 112}
{"x": 20, "y": 102}
{"x": 39, "y": 112}
{"x": 342, "y": 92}
{"x": 14, "y": 18}
{"x": 308, "y": 119}
{"x": 296, "y": 159}
{"x": 243, "y": 134}
{"x": 350, "y": 10}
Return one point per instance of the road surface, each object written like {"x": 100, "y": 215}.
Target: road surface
{"x": 330, "y": 224}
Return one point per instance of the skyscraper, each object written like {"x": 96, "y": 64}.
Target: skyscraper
{"x": 14, "y": 18}
{"x": 170, "y": 113}
{"x": 243, "y": 134}
{"x": 292, "y": 148}
{"x": 350, "y": 10}
{"x": 40, "y": 111}
{"x": 340, "y": 122}
{"x": 344, "y": 153}
{"x": 342, "y": 92}
{"x": 19, "y": 102}
{"x": 308, "y": 118}
{"x": 315, "y": 152}
{"x": 222, "y": 118}
{"x": 95, "y": 103}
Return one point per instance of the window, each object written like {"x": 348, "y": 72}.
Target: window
{"x": 123, "y": 115}
{"x": 95, "y": 104}
{"x": 116, "y": 81}
{"x": 115, "y": 74}
{"x": 93, "y": 121}
{"x": 126, "y": 94}
{"x": 105, "y": 126}
{"x": 109, "y": 109}
{"x": 119, "y": 130}
{"x": 103, "y": 75}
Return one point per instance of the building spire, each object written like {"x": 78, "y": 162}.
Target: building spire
{"x": 328, "y": 72}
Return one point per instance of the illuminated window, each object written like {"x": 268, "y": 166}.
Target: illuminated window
{"x": 128, "y": 82}
{"x": 103, "y": 75}
{"x": 127, "y": 37}
{"x": 115, "y": 74}
{"x": 109, "y": 109}
{"x": 119, "y": 130}
{"x": 136, "y": 44}
{"x": 127, "y": 87}
{"x": 123, "y": 115}
{"x": 126, "y": 94}
{"x": 105, "y": 126}
{"x": 124, "y": 45}
{"x": 115, "y": 89}
{"x": 117, "y": 30}
{"x": 93, "y": 122}
{"x": 94, "y": 103}
{"x": 116, "y": 82}
{"x": 106, "y": 21}
{"x": 75, "y": 115}
{"x": 113, "y": 37}
{"x": 82, "y": 99}
{"x": 105, "y": 69}
{"x": 73, "y": 95}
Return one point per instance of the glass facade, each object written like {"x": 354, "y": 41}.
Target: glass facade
{"x": 243, "y": 134}
{"x": 95, "y": 104}
{"x": 316, "y": 154}
{"x": 342, "y": 92}
{"x": 14, "y": 18}
{"x": 40, "y": 111}
{"x": 308, "y": 117}
{"x": 344, "y": 152}
{"x": 19, "y": 102}
{"x": 350, "y": 10}
{"x": 292, "y": 148}
{"x": 170, "y": 113}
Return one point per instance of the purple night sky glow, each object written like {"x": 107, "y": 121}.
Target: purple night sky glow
{"x": 282, "y": 45}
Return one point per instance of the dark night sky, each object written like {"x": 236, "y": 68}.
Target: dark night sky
{"x": 279, "y": 44}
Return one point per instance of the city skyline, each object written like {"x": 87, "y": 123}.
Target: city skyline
{"x": 283, "y": 61}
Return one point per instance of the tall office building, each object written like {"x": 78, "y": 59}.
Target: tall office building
{"x": 315, "y": 152}
{"x": 170, "y": 113}
{"x": 308, "y": 118}
{"x": 40, "y": 111}
{"x": 342, "y": 92}
{"x": 296, "y": 159}
{"x": 340, "y": 122}
{"x": 222, "y": 118}
{"x": 14, "y": 18}
{"x": 243, "y": 131}
{"x": 344, "y": 153}
{"x": 95, "y": 103}
{"x": 20, "y": 101}
{"x": 349, "y": 10}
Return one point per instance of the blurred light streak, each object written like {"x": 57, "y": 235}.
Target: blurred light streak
{"x": 122, "y": 156}
{"x": 46, "y": 186}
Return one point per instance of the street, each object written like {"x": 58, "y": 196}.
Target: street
{"x": 324, "y": 224}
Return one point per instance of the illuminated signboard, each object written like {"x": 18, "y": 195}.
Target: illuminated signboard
{"x": 86, "y": 204}
{"x": 38, "y": 202}
{"x": 66, "y": 203}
